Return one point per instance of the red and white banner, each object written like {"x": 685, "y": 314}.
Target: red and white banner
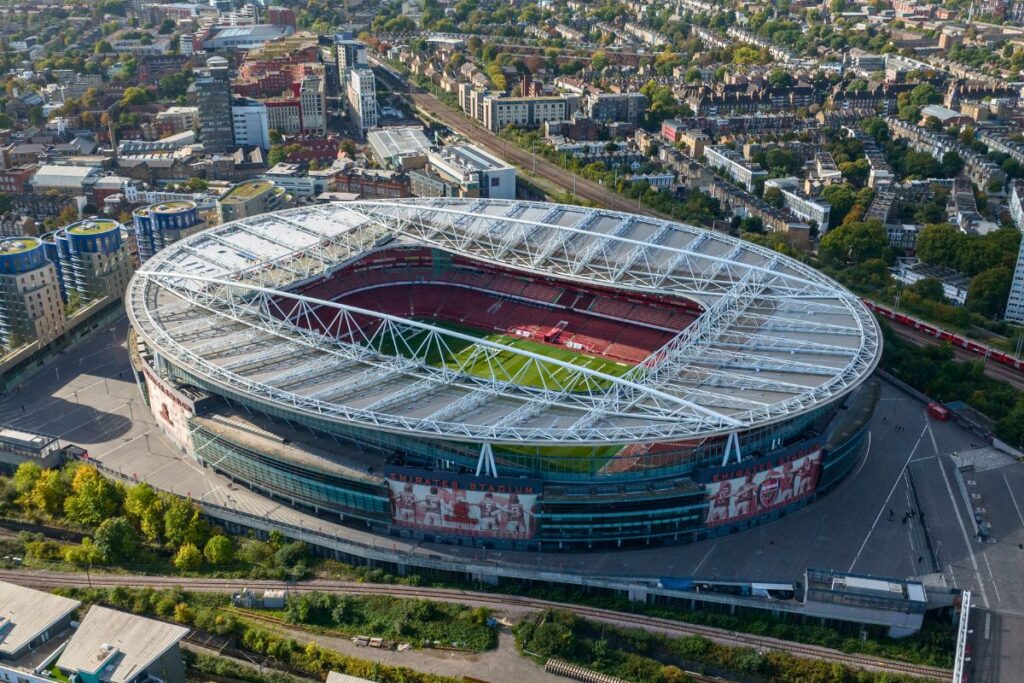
{"x": 463, "y": 506}
{"x": 755, "y": 493}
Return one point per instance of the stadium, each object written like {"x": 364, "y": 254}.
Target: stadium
{"x": 504, "y": 373}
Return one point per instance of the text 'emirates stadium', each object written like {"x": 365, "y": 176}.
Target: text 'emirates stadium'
{"x": 504, "y": 373}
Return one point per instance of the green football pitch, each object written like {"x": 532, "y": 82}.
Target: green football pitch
{"x": 461, "y": 351}
{"x": 561, "y": 458}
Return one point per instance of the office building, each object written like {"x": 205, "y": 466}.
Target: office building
{"x": 250, "y": 123}
{"x": 362, "y": 100}
{"x": 163, "y": 223}
{"x": 251, "y": 198}
{"x": 212, "y": 92}
{"x": 31, "y": 307}
{"x": 473, "y": 171}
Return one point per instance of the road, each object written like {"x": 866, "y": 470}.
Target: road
{"x": 994, "y": 370}
{"x": 458, "y": 122}
{"x": 49, "y": 580}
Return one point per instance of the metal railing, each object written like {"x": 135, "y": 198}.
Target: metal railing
{"x": 960, "y": 656}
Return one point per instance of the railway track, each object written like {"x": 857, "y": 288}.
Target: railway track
{"x": 586, "y": 189}
{"x": 666, "y": 626}
{"x": 993, "y": 370}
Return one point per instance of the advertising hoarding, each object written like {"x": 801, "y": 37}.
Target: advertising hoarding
{"x": 756, "y": 491}
{"x": 484, "y": 507}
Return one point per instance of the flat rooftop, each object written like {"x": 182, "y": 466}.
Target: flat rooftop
{"x": 25, "y": 613}
{"x": 388, "y": 143}
{"x": 247, "y": 190}
{"x": 17, "y": 245}
{"x": 93, "y": 226}
{"x": 21, "y": 438}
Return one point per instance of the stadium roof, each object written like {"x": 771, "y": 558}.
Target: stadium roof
{"x": 776, "y": 338}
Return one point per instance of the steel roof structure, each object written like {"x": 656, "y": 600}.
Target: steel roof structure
{"x": 776, "y": 338}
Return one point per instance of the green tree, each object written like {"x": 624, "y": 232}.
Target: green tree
{"x": 930, "y": 289}
{"x": 134, "y": 95}
{"x": 780, "y": 78}
{"x": 599, "y": 60}
{"x": 188, "y": 558}
{"x": 49, "y": 493}
{"x": 773, "y": 196}
{"x": 940, "y": 244}
{"x": 855, "y": 243}
{"x": 952, "y": 164}
{"x": 116, "y": 540}
{"x": 197, "y": 184}
{"x": 145, "y": 510}
{"x": 840, "y": 197}
{"x": 93, "y": 498}
{"x": 25, "y": 477}
{"x": 84, "y": 555}
{"x": 989, "y": 290}
{"x": 219, "y": 551}
{"x": 182, "y": 523}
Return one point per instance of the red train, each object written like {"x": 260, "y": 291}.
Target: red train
{"x": 974, "y": 347}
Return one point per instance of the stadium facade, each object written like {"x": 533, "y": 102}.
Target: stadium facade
{"x": 504, "y": 373}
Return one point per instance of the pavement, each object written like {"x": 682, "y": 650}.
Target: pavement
{"x": 89, "y": 398}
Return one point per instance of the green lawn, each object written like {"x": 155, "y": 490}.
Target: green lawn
{"x": 482, "y": 364}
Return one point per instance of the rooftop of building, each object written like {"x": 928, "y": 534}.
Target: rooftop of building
{"x": 25, "y": 613}
{"x": 398, "y": 141}
{"x": 472, "y": 157}
{"x": 116, "y": 646}
{"x": 17, "y": 245}
{"x": 93, "y": 226}
{"x": 23, "y": 438}
{"x": 246, "y": 190}
{"x": 70, "y": 176}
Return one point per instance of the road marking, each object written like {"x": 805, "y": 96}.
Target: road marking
{"x": 984, "y": 556}
{"x": 1013, "y": 498}
{"x": 704, "y": 559}
{"x": 928, "y": 425}
{"x": 967, "y": 538}
{"x": 123, "y": 444}
{"x": 887, "y": 498}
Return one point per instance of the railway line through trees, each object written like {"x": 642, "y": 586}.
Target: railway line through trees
{"x": 669, "y": 627}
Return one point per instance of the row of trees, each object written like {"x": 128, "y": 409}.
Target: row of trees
{"x": 122, "y": 519}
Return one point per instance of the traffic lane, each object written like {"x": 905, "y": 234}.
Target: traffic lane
{"x": 1001, "y": 494}
{"x": 995, "y": 647}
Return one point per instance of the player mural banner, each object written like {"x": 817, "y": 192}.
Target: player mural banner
{"x": 747, "y": 492}
{"x": 485, "y": 507}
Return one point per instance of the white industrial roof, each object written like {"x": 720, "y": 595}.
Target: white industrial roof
{"x": 63, "y": 176}
{"x": 117, "y": 646}
{"x": 776, "y": 338}
{"x": 25, "y": 613}
{"x": 388, "y": 143}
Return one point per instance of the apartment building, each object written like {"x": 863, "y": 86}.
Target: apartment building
{"x": 734, "y": 165}
{"x": 474, "y": 172}
{"x": 31, "y": 306}
{"x": 251, "y": 198}
{"x": 804, "y": 207}
{"x": 362, "y": 99}
{"x": 250, "y": 123}
{"x": 526, "y": 112}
